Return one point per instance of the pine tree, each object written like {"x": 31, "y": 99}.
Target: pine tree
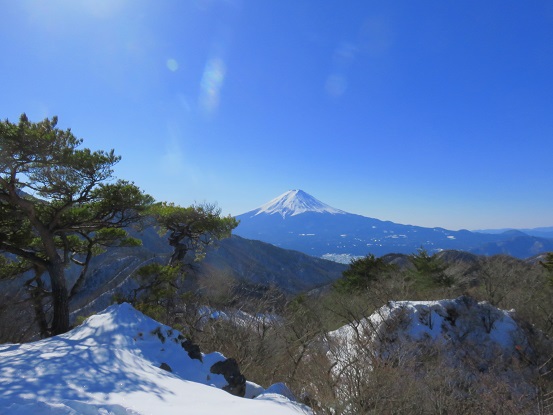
{"x": 58, "y": 206}
{"x": 429, "y": 270}
{"x": 361, "y": 273}
{"x": 189, "y": 230}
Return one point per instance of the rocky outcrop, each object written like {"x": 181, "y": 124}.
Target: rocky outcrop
{"x": 192, "y": 349}
{"x": 230, "y": 370}
{"x": 166, "y": 367}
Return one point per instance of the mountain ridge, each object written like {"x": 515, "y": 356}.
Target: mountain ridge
{"x": 317, "y": 233}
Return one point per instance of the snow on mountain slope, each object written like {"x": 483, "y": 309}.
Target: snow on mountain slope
{"x": 446, "y": 356}
{"x": 447, "y": 322}
{"x": 295, "y": 202}
{"x": 111, "y": 365}
{"x": 466, "y": 333}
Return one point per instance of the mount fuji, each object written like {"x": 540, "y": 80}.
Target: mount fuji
{"x": 297, "y": 220}
{"x": 295, "y": 202}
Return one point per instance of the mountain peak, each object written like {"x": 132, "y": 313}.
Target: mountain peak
{"x": 295, "y": 202}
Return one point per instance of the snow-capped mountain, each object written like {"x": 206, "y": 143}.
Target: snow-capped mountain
{"x": 122, "y": 362}
{"x": 294, "y": 202}
{"x": 297, "y": 220}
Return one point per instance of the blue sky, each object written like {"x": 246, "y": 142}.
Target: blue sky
{"x": 433, "y": 113}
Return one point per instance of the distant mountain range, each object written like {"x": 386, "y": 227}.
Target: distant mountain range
{"x": 297, "y": 220}
{"x": 543, "y": 232}
{"x": 260, "y": 263}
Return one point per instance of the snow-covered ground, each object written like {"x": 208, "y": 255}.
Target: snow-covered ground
{"x": 462, "y": 329}
{"x": 111, "y": 365}
{"x": 464, "y": 317}
{"x": 451, "y": 324}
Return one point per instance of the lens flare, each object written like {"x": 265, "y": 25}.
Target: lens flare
{"x": 172, "y": 64}
{"x": 211, "y": 84}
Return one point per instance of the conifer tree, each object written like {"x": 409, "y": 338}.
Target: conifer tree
{"x": 59, "y": 205}
{"x": 362, "y": 272}
{"x": 189, "y": 230}
{"x": 429, "y": 270}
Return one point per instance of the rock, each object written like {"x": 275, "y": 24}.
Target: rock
{"x": 230, "y": 370}
{"x": 192, "y": 349}
{"x": 166, "y": 367}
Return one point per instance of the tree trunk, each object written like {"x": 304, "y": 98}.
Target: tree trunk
{"x": 40, "y": 315}
{"x": 60, "y": 298}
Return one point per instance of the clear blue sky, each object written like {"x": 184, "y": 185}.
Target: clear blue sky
{"x": 433, "y": 113}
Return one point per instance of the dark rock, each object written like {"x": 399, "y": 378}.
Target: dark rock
{"x": 452, "y": 315}
{"x": 166, "y": 367}
{"x": 230, "y": 370}
{"x": 192, "y": 349}
{"x": 467, "y": 300}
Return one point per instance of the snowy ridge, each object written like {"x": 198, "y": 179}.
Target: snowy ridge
{"x": 472, "y": 347}
{"x": 460, "y": 327}
{"x": 444, "y": 321}
{"x": 295, "y": 202}
{"x": 111, "y": 365}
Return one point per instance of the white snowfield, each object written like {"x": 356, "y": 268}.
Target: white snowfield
{"x": 295, "y": 202}
{"x": 111, "y": 365}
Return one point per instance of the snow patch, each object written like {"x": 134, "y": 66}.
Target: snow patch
{"x": 340, "y": 258}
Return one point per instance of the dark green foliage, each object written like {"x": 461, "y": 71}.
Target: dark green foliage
{"x": 429, "y": 270}
{"x": 58, "y": 207}
{"x": 190, "y": 230}
{"x": 158, "y": 292}
{"x": 362, "y": 273}
{"x": 10, "y": 268}
{"x": 548, "y": 265}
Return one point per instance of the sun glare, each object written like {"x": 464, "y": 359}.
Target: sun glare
{"x": 211, "y": 84}
{"x": 172, "y": 64}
